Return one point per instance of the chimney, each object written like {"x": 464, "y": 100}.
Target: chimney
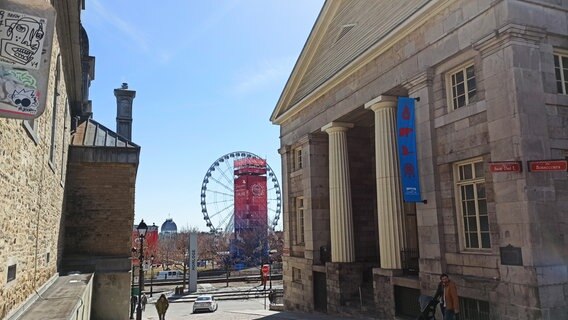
{"x": 124, "y": 99}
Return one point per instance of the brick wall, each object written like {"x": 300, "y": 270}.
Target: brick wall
{"x": 100, "y": 206}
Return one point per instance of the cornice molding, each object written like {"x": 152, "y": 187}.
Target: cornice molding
{"x": 310, "y": 48}
{"x": 420, "y": 81}
{"x": 507, "y": 35}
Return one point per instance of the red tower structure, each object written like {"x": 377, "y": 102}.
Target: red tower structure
{"x": 251, "y": 213}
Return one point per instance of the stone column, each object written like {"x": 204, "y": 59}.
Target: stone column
{"x": 341, "y": 215}
{"x": 286, "y": 200}
{"x": 389, "y": 195}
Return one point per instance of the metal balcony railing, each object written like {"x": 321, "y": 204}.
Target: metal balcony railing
{"x": 409, "y": 258}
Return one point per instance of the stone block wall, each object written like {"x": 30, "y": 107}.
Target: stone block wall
{"x": 343, "y": 283}
{"x": 298, "y": 293}
{"x": 31, "y": 195}
{"x": 317, "y": 191}
{"x": 111, "y": 305}
{"x": 361, "y": 145}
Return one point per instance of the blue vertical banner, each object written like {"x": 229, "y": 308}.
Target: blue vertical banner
{"x": 407, "y": 153}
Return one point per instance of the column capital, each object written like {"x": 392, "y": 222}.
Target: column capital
{"x": 381, "y": 102}
{"x": 337, "y": 126}
{"x": 284, "y": 149}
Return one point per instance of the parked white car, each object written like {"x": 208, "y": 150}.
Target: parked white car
{"x": 205, "y": 303}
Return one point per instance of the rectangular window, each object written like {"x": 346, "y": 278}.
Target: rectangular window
{"x": 64, "y": 142}
{"x": 31, "y": 127}
{"x": 474, "y": 309}
{"x": 463, "y": 88}
{"x": 472, "y": 204}
{"x": 299, "y": 236}
{"x": 298, "y": 159}
{"x": 11, "y": 273}
{"x": 54, "y": 112}
{"x": 296, "y": 275}
{"x": 561, "y": 73}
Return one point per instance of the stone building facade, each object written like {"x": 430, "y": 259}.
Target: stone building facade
{"x": 488, "y": 80}
{"x": 44, "y": 191}
{"x": 33, "y": 166}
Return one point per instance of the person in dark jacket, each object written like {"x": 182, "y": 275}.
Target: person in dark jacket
{"x": 162, "y": 306}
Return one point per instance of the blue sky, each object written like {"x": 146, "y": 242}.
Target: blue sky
{"x": 207, "y": 75}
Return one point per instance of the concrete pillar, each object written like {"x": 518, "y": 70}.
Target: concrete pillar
{"x": 341, "y": 213}
{"x": 389, "y": 194}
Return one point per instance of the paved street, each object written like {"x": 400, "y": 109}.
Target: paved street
{"x": 231, "y": 310}
{"x": 245, "y": 309}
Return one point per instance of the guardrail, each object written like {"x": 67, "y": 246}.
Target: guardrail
{"x": 212, "y": 280}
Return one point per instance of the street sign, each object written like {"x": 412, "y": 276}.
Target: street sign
{"x": 505, "y": 166}
{"x": 548, "y": 165}
{"x": 265, "y": 270}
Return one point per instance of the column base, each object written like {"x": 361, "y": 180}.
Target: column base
{"x": 384, "y": 291}
{"x": 349, "y": 288}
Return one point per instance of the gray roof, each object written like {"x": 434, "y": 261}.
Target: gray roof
{"x": 90, "y": 133}
{"x": 93, "y": 142}
{"x": 356, "y": 26}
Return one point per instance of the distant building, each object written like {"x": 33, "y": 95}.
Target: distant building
{"x": 481, "y": 86}
{"x": 169, "y": 227}
{"x": 151, "y": 244}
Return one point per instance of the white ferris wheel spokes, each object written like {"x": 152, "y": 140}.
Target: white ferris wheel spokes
{"x": 218, "y": 193}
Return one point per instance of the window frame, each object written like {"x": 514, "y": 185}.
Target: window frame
{"x": 32, "y": 127}
{"x": 296, "y": 275}
{"x": 53, "y": 143}
{"x": 64, "y": 147}
{"x": 297, "y": 154}
{"x": 474, "y": 181}
{"x": 297, "y": 232}
{"x": 11, "y": 273}
{"x": 299, "y": 210}
{"x": 462, "y": 68}
{"x": 474, "y": 308}
{"x": 563, "y": 80}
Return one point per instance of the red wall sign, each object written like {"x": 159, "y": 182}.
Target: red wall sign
{"x": 505, "y": 166}
{"x": 548, "y": 165}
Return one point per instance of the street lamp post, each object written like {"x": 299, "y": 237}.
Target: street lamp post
{"x": 142, "y": 228}
{"x": 151, "y": 274}
{"x": 270, "y": 253}
{"x": 132, "y": 304}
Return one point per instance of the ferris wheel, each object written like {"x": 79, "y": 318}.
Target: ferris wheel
{"x": 218, "y": 191}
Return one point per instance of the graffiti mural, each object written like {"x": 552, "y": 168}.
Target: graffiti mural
{"x": 21, "y": 39}
{"x": 18, "y": 89}
{"x": 26, "y": 37}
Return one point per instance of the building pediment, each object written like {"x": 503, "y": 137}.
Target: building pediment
{"x": 345, "y": 33}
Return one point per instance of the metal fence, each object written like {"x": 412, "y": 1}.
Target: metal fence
{"x": 471, "y": 309}
{"x": 409, "y": 259}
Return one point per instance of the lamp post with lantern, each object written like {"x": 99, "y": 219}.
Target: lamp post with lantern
{"x": 142, "y": 228}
